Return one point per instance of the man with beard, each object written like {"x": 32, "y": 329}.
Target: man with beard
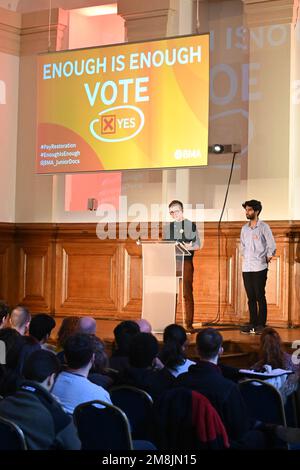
{"x": 257, "y": 248}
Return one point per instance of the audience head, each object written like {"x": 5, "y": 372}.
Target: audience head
{"x": 209, "y": 344}
{"x": 144, "y": 325}
{"x": 87, "y": 325}
{"x": 270, "y": 350}
{"x": 123, "y": 333}
{"x": 143, "y": 349}
{"x": 13, "y": 345}
{"x": 79, "y": 351}
{"x": 41, "y": 326}
{"x": 42, "y": 367}
{"x": 175, "y": 340}
{"x": 68, "y": 327}
{"x": 101, "y": 358}
{"x": 20, "y": 319}
{"x": 4, "y": 313}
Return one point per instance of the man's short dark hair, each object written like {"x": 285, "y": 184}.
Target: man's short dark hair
{"x": 175, "y": 202}
{"x": 256, "y": 205}
{"x": 123, "y": 333}
{"x": 40, "y": 364}
{"x": 41, "y": 325}
{"x": 142, "y": 350}
{"x": 4, "y": 310}
{"x": 79, "y": 350}
{"x": 208, "y": 343}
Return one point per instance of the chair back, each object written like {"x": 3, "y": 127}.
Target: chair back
{"x": 102, "y": 426}
{"x": 11, "y": 436}
{"x": 186, "y": 421}
{"x": 263, "y": 401}
{"x": 137, "y": 404}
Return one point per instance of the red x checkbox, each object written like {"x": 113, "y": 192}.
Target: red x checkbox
{"x": 108, "y": 124}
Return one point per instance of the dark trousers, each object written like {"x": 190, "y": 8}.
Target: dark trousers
{"x": 188, "y": 297}
{"x": 255, "y": 283}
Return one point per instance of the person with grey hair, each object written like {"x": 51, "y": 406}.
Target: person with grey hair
{"x": 144, "y": 325}
{"x": 87, "y": 325}
{"x": 19, "y": 319}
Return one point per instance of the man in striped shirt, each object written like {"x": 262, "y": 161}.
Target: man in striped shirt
{"x": 257, "y": 248}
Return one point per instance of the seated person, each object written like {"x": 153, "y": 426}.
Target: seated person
{"x": 272, "y": 355}
{"x": 10, "y": 377}
{"x": 72, "y": 386}
{"x": 4, "y": 314}
{"x": 146, "y": 371}
{"x": 172, "y": 353}
{"x": 99, "y": 373}
{"x": 40, "y": 328}
{"x": 19, "y": 319}
{"x": 206, "y": 377}
{"x": 44, "y": 423}
{"x": 123, "y": 334}
{"x": 144, "y": 325}
{"x": 69, "y": 326}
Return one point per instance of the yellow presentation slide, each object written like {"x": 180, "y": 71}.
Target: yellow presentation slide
{"x": 126, "y": 106}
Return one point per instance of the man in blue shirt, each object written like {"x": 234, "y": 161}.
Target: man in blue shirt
{"x": 257, "y": 248}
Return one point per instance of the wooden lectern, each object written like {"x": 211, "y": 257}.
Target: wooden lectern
{"x": 163, "y": 263}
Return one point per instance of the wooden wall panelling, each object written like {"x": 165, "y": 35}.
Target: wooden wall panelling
{"x": 7, "y": 263}
{"x": 294, "y": 277}
{"x": 65, "y": 269}
{"x": 34, "y": 250}
{"x": 86, "y": 276}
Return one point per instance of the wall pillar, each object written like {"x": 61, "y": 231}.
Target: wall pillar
{"x": 34, "y": 193}
{"x": 10, "y": 27}
{"x": 273, "y": 160}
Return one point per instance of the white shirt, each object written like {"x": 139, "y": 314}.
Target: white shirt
{"x": 257, "y": 244}
{"x": 72, "y": 389}
{"x": 182, "y": 368}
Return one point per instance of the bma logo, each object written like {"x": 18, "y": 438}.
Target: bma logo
{"x": 118, "y": 124}
{"x": 2, "y": 352}
{"x": 2, "y": 92}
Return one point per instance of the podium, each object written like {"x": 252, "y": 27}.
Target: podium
{"x": 163, "y": 263}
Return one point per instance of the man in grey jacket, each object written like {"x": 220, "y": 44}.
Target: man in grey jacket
{"x": 44, "y": 423}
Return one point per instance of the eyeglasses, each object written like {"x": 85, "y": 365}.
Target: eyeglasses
{"x": 174, "y": 212}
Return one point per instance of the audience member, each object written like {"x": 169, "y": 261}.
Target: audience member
{"x": 271, "y": 353}
{"x": 44, "y": 423}
{"x": 68, "y": 327}
{"x": 172, "y": 354}
{"x": 206, "y": 377}
{"x": 123, "y": 334}
{"x": 72, "y": 386}
{"x": 87, "y": 325}
{"x": 144, "y": 325}
{"x": 40, "y": 328}
{"x": 146, "y": 371}
{"x": 4, "y": 314}
{"x": 20, "y": 319}
{"x": 10, "y": 378}
{"x": 99, "y": 373}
